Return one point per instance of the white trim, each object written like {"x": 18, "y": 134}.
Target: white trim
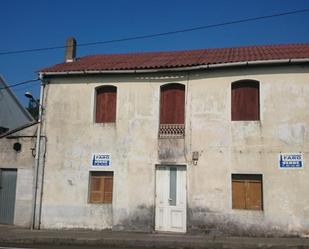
{"x": 269, "y": 62}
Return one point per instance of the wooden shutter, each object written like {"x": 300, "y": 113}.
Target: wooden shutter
{"x": 245, "y": 100}
{"x": 254, "y": 195}
{"x": 96, "y": 189}
{"x": 106, "y": 104}
{"x": 238, "y": 194}
{"x": 108, "y": 189}
{"x": 172, "y": 104}
{"x": 247, "y": 191}
{"x": 101, "y": 187}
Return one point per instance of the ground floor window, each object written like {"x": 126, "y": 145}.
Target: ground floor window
{"x": 101, "y": 187}
{"x": 247, "y": 191}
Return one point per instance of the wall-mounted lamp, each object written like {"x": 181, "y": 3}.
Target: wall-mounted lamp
{"x": 30, "y": 96}
{"x": 34, "y": 106}
{"x": 195, "y": 156}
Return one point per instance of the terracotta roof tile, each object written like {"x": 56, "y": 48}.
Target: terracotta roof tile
{"x": 176, "y": 59}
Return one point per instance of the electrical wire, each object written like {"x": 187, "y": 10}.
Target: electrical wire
{"x": 159, "y": 34}
{"x": 24, "y": 87}
{"x": 18, "y": 84}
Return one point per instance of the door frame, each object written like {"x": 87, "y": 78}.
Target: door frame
{"x": 180, "y": 165}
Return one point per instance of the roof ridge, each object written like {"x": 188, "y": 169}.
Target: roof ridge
{"x": 196, "y": 49}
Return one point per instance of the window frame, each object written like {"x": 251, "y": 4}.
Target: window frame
{"x": 247, "y": 179}
{"x": 165, "y": 86}
{"x": 240, "y": 115}
{"x": 103, "y": 175}
{"x": 96, "y": 107}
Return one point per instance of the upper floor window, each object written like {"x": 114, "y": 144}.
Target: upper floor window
{"x": 105, "y": 110}
{"x": 172, "y": 110}
{"x": 245, "y": 100}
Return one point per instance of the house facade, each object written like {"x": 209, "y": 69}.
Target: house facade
{"x": 207, "y": 140}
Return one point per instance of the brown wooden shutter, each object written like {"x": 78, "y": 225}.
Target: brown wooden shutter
{"x": 247, "y": 191}
{"x": 108, "y": 189}
{"x": 238, "y": 194}
{"x": 245, "y": 100}
{"x": 101, "y": 187}
{"x": 106, "y": 104}
{"x": 172, "y": 104}
{"x": 96, "y": 187}
{"x": 254, "y": 195}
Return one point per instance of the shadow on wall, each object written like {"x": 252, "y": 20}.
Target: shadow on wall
{"x": 140, "y": 220}
{"x": 206, "y": 221}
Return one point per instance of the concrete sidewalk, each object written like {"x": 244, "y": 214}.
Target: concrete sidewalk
{"x": 22, "y": 236}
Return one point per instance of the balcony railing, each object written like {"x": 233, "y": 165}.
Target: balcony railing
{"x": 171, "y": 131}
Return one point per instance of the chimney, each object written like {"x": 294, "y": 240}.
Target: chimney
{"x": 70, "y": 50}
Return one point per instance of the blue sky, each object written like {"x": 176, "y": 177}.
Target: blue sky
{"x": 44, "y": 23}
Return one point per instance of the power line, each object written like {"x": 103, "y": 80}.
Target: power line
{"x": 24, "y": 87}
{"x": 18, "y": 84}
{"x": 160, "y": 34}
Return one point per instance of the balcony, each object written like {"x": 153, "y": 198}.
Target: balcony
{"x": 171, "y": 131}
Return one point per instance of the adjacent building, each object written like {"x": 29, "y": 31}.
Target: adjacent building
{"x": 17, "y": 150}
{"x": 12, "y": 114}
{"x": 207, "y": 140}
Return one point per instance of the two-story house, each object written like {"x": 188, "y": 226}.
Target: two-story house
{"x": 210, "y": 139}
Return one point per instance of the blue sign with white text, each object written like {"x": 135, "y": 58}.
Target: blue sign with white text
{"x": 291, "y": 160}
{"x": 101, "y": 160}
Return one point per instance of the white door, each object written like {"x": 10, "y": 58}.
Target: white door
{"x": 171, "y": 215}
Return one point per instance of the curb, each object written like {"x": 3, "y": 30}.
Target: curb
{"x": 149, "y": 243}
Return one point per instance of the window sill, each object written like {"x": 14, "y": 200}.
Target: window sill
{"x": 91, "y": 203}
{"x": 248, "y": 210}
{"x": 246, "y": 121}
{"x": 246, "y": 125}
{"x": 111, "y": 124}
{"x": 253, "y": 213}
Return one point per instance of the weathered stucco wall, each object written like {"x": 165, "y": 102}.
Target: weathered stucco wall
{"x": 23, "y": 161}
{"x": 250, "y": 147}
{"x": 225, "y": 147}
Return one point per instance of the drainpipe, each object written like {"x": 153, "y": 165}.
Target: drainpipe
{"x": 37, "y": 156}
{"x": 42, "y": 182}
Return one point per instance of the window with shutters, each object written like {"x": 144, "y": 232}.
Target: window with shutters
{"x": 172, "y": 111}
{"x": 245, "y": 100}
{"x": 105, "y": 107}
{"x": 247, "y": 191}
{"x": 101, "y": 187}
